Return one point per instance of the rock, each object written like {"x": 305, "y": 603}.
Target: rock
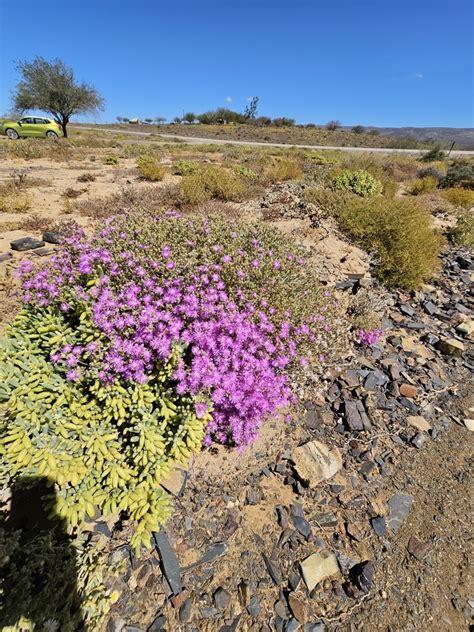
{"x": 419, "y": 422}
{"x": 315, "y": 462}
{"x": 43, "y": 252}
{"x": 431, "y": 339}
{"x": 418, "y": 440}
{"x": 176, "y": 482}
{"x": 221, "y": 599}
{"x": 466, "y": 328}
{"x": 169, "y": 561}
{"x": 399, "y": 508}
{"x": 119, "y": 554}
{"x": 213, "y": 553}
{"x": 326, "y": 520}
{"x": 314, "y": 627}
{"x": 469, "y": 423}
{"x": 6, "y": 257}
{"x": 52, "y": 237}
{"x": 132, "y": 628}
{"x": 408, "y": 390}
{"x": 158, "y": 624}
{"x": 254, "y": 607}
{"x": 272, "y": 569}
{"x": 352, "y": 416}
{"x": 281, "y": 610}
{"x": 361, "y": 577}
{"x": 317, "y": 567}
{"x": 297, "y": 607}
{"x": 26, "y": 243}
{"x": 302, "y": 526}
{"x": 417, "y": 548}
{"x": 451, "y": 346}
{"x": 292, "y": 625}
{"x": 185, "y": 611}
{"x": 379, "y": 526}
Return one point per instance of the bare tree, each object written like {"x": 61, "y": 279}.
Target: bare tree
{"x": 332, "y": 126}
{"x": 251, "y": 109}
{"x": 52, "y": 87}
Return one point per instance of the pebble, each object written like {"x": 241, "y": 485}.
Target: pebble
{"x": 272, "y": 569}
{"x": 169, "y": 561}
{"x": 317, "y": 567}
{"x": 315, "y": 462}
{"x": 408, "y": 390}
{"x": 379, "y": 526}
{"x": 419, "y": 440}
{"x": 302, "y": 526}
{"x": 399, "y": 508}
{"x": 221, "y": 599}
{"x": 254, "y": 607}
{"x": 451, "y": 346}
{"x": 417, "y": 548}
{"x": 419, "y": 422}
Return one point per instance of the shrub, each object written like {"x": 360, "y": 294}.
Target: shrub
{"x": 282, "y": 121}
{"x": 12, "y": 200}
{"x": 124, "y": 357}
{"x": 436, "y": 153}
{"x": 359, "y": 182}
{"x": 245, "y": 172}
{"x": 35, "y": 222}
{"x": 325, "y": 200}
{"x": 149, "y": 169}
{"x": 431, "y": 172}
{"x": 86, "y": 177}
{"x": 422, "y": 185}
{"x": 459, "y": 174}
{"x": 283, "y": 169}
{"x": 400, "y": 235}
{"x": 110, "y": 160}
{"x": 185, "y": 167}
{"x": 211, "y": 182}
{"x": 332, "y": 126}
{"x": 358, "y": 129}
{"x": 462, "y": 234}
{"x": 463, "y": 198}
{"x": 390, "y": 187}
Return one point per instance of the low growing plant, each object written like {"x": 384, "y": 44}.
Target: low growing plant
{"x": 13, "y": 200}
{"x": 462, "y": 234}
{"x": 459, "y": 174}
{"x": 360, "y": 182}
{"x": 423, "y": 185}
{"x": 110, "y": 160}
{"x": 149, "y": 168}
{"x": 463, "y": 198}
{"x": 283, "y": 169}
{"x": 211, "y": 182}
{"x": 185, "y": 167}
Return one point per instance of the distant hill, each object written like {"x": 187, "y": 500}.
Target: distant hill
{"x": 462, "y": 136}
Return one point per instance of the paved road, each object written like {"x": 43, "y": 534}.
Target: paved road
{"x": 219, "y": 141}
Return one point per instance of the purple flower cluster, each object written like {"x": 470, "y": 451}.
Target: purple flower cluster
{"x": 369, "y": 337}
{"x": 231, "y": 357}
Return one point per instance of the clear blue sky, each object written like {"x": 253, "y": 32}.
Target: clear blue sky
{"x": 375, "y": 62}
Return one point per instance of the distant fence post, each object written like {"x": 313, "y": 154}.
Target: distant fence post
{"x": 451, "y": 148}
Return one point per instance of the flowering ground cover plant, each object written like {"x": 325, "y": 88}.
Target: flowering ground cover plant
{"x": 142, "y": 342}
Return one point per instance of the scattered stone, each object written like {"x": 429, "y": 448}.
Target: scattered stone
{"x": 254, "y": 607}
{"x": 297, "y": 607}
{"x": 213, "y": 553}
{"x": 52, "y": 237}
{"x": 221, "y": 599}
{"x": 361, "y": 577}
{"x": 466, "y": 328}
{"x": 315, "y": 462}
{"x": 302, "y": 526}
{"x": 326, "y": 520}
{"x": 451, "y": 346}
{"x": 176, "y": 482}
{"x": 469, "y": 423}
{"x": 407, "y": 390}
{"x": 379, "y": 526}
{"x": 26, "y": 243}
{"x": 132, "y": 628}
{"x": 185, "y": 611}
{"x": 317, "y": 567}
{"x": 418, "y": 440}
{"x": 352, "y": 416}
{"x": 417, "y": 548}
{"x": 419, "y": 422}
{"x": 399, "y": 508}
{"x": 272, "y": 569}
{"x": 281, "y": 609}
{"x": 169, "y": 561}
{"x": 292, "y": 625}
{"x": 6, "y": 257}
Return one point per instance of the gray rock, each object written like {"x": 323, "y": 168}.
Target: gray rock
{"x": 6, "y": 257}
{"x": 379, "y": 526}
{"x": 352, "y": 415}
{"x": 185, "y": 611}
{"x": 43, "y": 252}
{"x": 169, "y": 561}
{"x": 221, "y": 598}
{"x": 254, "y": 607}
{"x": 212, "y": 554}
{"x": 302, "y": 526}
{"x": 399, "y": 506}
{"x": 132, "y": 628}
{"x": 292, "y": 625}
{"x": 419, "y": 440}
{"x": 52, "y": 237}
{"x": 272, "y": 569}
{"x": 314, "y": 627}
{"x": 26, "y": 243}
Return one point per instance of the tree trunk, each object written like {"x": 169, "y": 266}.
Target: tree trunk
{"x": 64, "y": 123}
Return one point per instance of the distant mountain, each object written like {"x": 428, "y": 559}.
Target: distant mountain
{"x": 462, "y": 136}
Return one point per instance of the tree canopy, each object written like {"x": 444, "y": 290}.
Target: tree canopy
{"x": 50, "y": 86}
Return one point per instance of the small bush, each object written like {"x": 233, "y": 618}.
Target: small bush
{"x": 35, "y": 222}
{"x": 185, "y": 167}
{"x": 398, "y": 232}
{"x": 86, "y": 177}
{"x": 149, "y": 169}
{"x": 73, "y": 193}
{"x": 325, "y": 200}
{"x": 463, "y": 198}
{"x": 12, "y": 200}
{"x": 359, "y": 182}
{"x": 332, "y": 126}
{"x": 431, "y": 172}
{"x": 436, "y": 153}
{"x": 390, "y": 187}
{"x": 245, "y": 172}
{"x": 358, "y": 129}
{"x": 459, "y": 174}
{"x": 110, "y": 160}
{"x": 283, "y": 169}
{"x": 463, "y": 233}
{"x": 211, "y": 182}
{"x": 422, "y": 185}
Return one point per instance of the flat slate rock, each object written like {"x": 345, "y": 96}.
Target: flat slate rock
{"x": 52, "y": 237}
{"x": 169, "y": 561}
{"x": 211, "y": 554}
{"x": 399, "y": 506}
{"x": 317, "y": 567}
{"x": 315, "y": 462}
{"x": 26, "y": 243}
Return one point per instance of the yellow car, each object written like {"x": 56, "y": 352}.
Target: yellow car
{"x": 36, "y": 127}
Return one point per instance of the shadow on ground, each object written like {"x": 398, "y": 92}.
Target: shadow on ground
{"x": 38, "y": 577}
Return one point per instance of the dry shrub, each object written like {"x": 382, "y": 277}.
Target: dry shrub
{"x": 73, "y": 193}
{"x": 13, "y": 200}
{"x": 35, "y": 222}
{"x": 283, "y": 169}
{"x": 390, "y": 187}
{"x": 463, "y": 233}
{"x": 211, "y": 182}
{"x": 150, "y": 199}
{"x": 326, "y": 200}
{"x": 31, "y": 148}
{"x": 149, "y": 169}
{"x": 86, "y": 177}
{"x": 398, "y": 232}
{"x": 423, "y": 185}
{"x": 463, "y": 198}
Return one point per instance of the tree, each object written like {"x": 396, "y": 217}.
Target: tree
{"x": 52, "y": 87}
{"x": 251, "y": 109}
{"x": 189, "y": 117}
{"x": 159, "y": 119}
{"x": 332, "y": 126}
{"x": 148, "y": 120}
{"x": 358, "y": 129}
{"x": 120, "y": 119}
{"x": 177, "y": 120}
{"x": 282, "y": 121}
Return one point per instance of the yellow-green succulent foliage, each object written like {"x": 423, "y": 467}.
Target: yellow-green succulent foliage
{"x": 106, "y": 447}
{"x": 360, "y": 182}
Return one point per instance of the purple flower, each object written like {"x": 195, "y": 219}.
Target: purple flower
{"x": 201, "y": 409}
{"x": 369, "y": 337}
{"x": 166, "y": 252}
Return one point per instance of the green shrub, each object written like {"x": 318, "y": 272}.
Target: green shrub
{"x": 283, "y": 169}
{"x": 359, "y": 182}
{"x": 463, "y": 198}
{"x": 211, "y": 182}
{"x": 185, "y": 167}
{"x": 358, "y": 129}
{"x": 434, "y": 154}
{"x": 459, "y": 174}
{"x": 110, "y": 160}
{"x": 325, "y": 200}
{"x": 422, "y": 185}
{"x": 149, "y": 169}
{"x": 463, "y": 233}
{"x": 400, "y": 235}
{"x": 245, "y": 172}
{"x": 390, "y": 187}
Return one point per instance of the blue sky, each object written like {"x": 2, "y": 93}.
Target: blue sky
{"x": 374, "y": 62}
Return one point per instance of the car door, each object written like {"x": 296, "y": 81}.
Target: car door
{"x": 27, "y": 127}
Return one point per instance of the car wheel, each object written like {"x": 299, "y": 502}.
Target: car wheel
{"x": 51, "y": 134}
{"x": 12, "y": 135}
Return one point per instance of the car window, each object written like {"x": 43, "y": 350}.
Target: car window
{"x": 27, "y": 120}
{"x": 39, "y": 121}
